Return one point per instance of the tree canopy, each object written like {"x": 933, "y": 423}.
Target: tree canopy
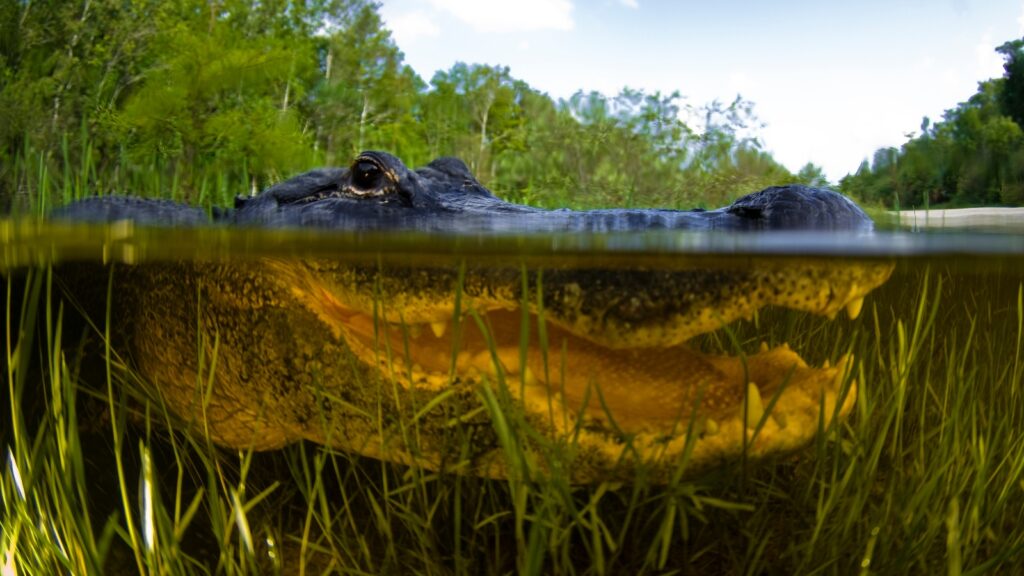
{"x": 200, "y": 100}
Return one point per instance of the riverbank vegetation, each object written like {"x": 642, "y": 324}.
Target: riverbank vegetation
{"x": 974, "y": 156}
{"x": 199, "y": 101}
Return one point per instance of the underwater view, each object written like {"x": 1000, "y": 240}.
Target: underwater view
{"x": 239, "y": 401}
{"x": 439, "y": 287}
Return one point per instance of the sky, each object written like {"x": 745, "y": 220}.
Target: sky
{"x": 833, "y": 80}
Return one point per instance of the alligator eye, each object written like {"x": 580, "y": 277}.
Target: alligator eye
{"x": 366, "y": 175}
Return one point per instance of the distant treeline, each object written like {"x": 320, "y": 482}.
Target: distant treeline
{"x": 974, "y": 156}
{"x": 203, "y": 99}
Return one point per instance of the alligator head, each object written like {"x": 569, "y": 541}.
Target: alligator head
{"x": 432, "y": 363}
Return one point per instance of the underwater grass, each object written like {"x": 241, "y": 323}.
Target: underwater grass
{"x": 927, "y": 475}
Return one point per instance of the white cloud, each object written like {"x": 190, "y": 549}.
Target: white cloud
{"x": 510, "y": 15}
{"x": 1020, "y": 23}
{"x": 634, "y": 4}
{"x": 408, "y": 27}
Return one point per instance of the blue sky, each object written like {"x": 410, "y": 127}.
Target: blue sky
{"x": 833, "y": 80}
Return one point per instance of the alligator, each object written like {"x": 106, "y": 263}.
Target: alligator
{"x": 378, "y": 192}
{"x": 489, "y": 365}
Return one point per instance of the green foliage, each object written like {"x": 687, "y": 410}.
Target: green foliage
{"x": 215, "y": 103}
{"x": 62, "y": 66}
{"x": 812, "y": 175}
{"x": 1011, "y": 98}
{"x": 203, "y": 100}
{"x": 974, "y": 156}
{"x": 365, "y": 96}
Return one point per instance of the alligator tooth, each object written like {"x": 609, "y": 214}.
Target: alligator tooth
{"x": 484, "y": 362}
{"x": 763, "y": 347}
{"x": 710, "y": 427}
{"x": 439, "y": 328}
{"x": 826, "y": 364}
{"x": 755, "y": 408}
{"x": 853, "y": 308}
{"x": 529, "y": 378}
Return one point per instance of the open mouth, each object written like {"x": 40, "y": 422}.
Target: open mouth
{"x": 608, "y": 383}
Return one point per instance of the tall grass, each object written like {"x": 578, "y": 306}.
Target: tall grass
{"x": 925, "y": 477}
{"x": 43, "y": 179}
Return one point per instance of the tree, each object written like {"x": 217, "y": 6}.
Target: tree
{"x": 365, "y": 90}
{"x": 973, "y": 156}
{"x": 216, "y": 102}
{"x": 475, "y": 108}
{"x": 64, "y": 66}
{"x": 812, "y": 175}
{"x": 205, "y": 99}
{"x": 1011, "y": 96}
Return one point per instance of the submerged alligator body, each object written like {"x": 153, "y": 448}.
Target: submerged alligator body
{"x": 435, "y": 364}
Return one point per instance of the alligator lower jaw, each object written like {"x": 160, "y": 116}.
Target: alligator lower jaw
{"x": 642, "y": 402}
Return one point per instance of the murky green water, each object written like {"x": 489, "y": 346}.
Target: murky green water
{"x": 929, "y": 460}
